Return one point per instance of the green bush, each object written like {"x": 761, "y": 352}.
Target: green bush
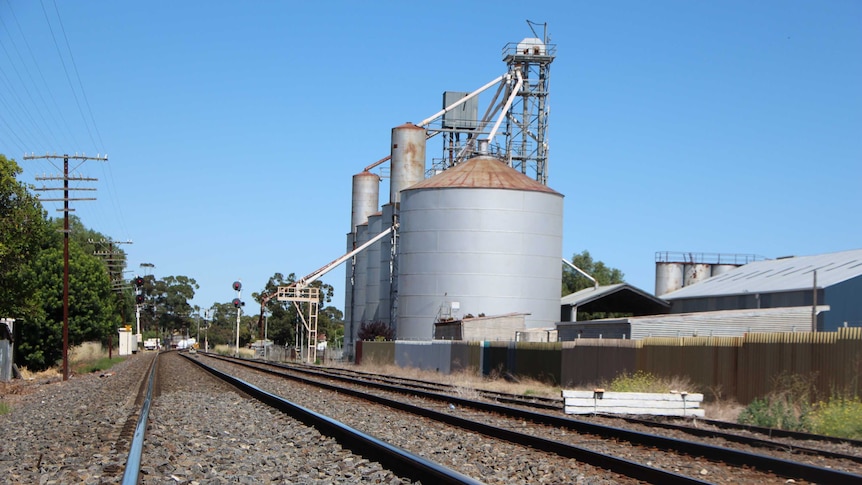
{"x": 640, "y": 381}
{"x": 5, "y": 408}
{"x": 840, "y": 417}
{"x": 99, "y": 365}
{"x": 776, "y": 411}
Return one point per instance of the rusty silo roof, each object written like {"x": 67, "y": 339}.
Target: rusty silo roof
{"x": 482, "y": 172}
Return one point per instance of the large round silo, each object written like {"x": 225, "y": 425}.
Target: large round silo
{"x": 372, "y": 270}
{"x": 718, "y": 269}
{"x": 384, "y": 309}
{"x": 408, "y": 159}
{"x": 485, "y": 236}
{"x": 695, "y": 273}
{"x": 366, "y": 194}
{"x": 359, "y": 280}
{"x": 668, "y": 277}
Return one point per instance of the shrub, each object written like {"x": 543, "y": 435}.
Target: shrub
{"x": 840, "y": 417}
{"x": 5, "y": 408}
{"x": 377, "y": 330}
{"x": 640, "y": 381}
{"x": 786, "y": 407}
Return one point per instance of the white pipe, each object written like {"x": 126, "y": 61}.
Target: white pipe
{"x": 508, "y": 105}
{"x": 579, "y": 270}
{"x": 307, "y": 280}
{"x": 460, "y": 102}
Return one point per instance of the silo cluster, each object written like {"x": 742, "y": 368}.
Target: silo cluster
{"x": 674, "y": 271}
{"x": 480, "y": 237}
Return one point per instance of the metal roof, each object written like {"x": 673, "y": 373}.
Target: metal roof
{"x": 778, "y": 275}
{"x": 618, "y": 298}
{"x": 483, "y": 172}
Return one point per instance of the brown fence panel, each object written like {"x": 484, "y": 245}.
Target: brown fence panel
{"x": 709, "y": 363}
{"x": 466, "y": 357}
{"x": 589, "y": 362}
{"x": 538, "y": 360}
{"x": 495, "y": 359}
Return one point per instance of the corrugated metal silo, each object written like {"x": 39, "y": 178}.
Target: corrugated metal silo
{"x": 718, "y": 269}
{"x": 668, "y": 277}
{"x": 366, "y": 195}
{"x": 695, "y": 273}
{"x": 485, "y": 236}
{"x": 359, "y": 280}
{"x": 372, "y": 270}
{"x": 385, "y": 307}
{"x": 408, "y": 159}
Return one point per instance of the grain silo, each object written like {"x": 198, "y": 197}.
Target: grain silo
{"x": 480, "y": 237}
{"x": 365, "y": 197}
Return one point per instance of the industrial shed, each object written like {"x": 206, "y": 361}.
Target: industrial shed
{"x": 727, "y": 323}
{"x": 618, "y": 298}
{"x": 832, "y": 279}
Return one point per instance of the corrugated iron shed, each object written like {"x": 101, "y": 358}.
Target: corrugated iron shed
{"x": 618, "y": 298}
{"x": 728, "y": 323}
{"x": 778, "y": 275}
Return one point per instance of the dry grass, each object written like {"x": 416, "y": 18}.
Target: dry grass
{"x": 465, "y": 381}
{"x": 87, "y": 352}
{"x": 228, "y": 350}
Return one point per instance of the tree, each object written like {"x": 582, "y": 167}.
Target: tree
{"x": 23, "y": 226}
{"x": 92, "y": 312}
{"x": 170, "y": 298}
{"x": 574, "y": 281}
{"x": 376, "y": 330}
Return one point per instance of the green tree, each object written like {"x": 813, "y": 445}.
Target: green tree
{"x": 23, "y": 226}
{"x": 169, "y": 299}
{"x": 605, "y": 275}
{"x": 574, "y": 281}
{"x": 92, "y": 311}
{"x": 284, "y": 318}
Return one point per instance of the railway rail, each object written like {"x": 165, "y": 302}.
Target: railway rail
{"x": 768, "y": 465}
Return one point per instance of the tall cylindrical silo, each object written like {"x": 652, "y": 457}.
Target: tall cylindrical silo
{"x": 695, "y": 273}
{"x": 366, "y": 195}
{"x": 348, "y": 299}
{"x": 668, "y": 277}
{"x": 372, "y": 270}
{"x": 385, "y": 306}
{"x": 718, "y": 269}
{"x": 485, "y": 236}
{"x": 408, "y": 159}
{"x": 359, "y": 280}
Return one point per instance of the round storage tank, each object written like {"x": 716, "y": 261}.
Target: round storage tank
{"x": 485, "y": 236}
{"x": 695, "y": 273}
{"x": 359, "y": 281}
{"x": 718, "y": 269}
{"x": 408, "y": 159}
{"x": 372, "y": 270}
{"x": 668, "y": 277}
{"x": 366, "y": 194}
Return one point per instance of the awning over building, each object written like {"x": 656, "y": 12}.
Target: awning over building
{"x": 618, "y": 298}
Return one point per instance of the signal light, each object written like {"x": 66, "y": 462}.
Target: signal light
{"x": 139, "y": 299}
{"x": 237, "y": 303}
{"x": 139, "y": 281}
{"x": 237, "y": 286}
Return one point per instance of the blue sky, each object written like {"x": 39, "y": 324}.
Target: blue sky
{"x": 233, "y": 128}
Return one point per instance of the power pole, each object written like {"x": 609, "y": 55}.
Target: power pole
{"x": 66, "y": 199}
{"x": 115, "y": 261}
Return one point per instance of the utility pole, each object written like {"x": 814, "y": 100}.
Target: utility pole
{"x": 66, "y": 199}
{"x": 115, "y": 261}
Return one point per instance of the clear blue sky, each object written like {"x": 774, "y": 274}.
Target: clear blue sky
{"x": 233, "y": 128}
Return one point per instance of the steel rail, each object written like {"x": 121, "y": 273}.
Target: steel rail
{"x": 623, "y": 466}
{"x": 746, "y": 440}
{"x": 539, "y": 402}
{"x": 133, "y": 462}
{"x": 397, "y": 460}
{"x": 786, "y": 468}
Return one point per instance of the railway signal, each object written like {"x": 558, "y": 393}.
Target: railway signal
{"x": 237, "y": 303}
{"x": 237, "y": 286}
{"x": 139, "y": 281}
{"x": 139, "y": 299}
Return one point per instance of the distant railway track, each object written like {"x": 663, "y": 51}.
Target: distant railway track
{"x": 546, "y": 430}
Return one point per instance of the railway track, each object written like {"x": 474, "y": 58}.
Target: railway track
{"x": 546, "y": 431}
{"x": 786, "y": 443}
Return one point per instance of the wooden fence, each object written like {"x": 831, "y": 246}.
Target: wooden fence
{"x": 741, "y": 368}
